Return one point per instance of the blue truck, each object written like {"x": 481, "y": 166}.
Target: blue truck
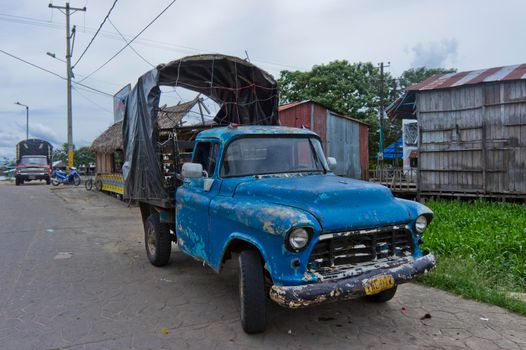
{"x": 266, "y": 195}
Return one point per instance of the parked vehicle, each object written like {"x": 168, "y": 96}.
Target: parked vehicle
{"x": 33, "y": 161}
{"x": 267, "y": 195}
{"x": 59, "y": 177}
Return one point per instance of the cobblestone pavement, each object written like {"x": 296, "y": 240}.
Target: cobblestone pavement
{"x": 73, "y": 275}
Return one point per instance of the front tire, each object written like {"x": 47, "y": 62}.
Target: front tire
{"x": 55, "y": 182}
{"x": 88, "y": 184}
{"x": 157, "y": 240}
{"x": 76, "y": 180}
{"x": 383, "y": 297}
{"x": 252, "y": 292}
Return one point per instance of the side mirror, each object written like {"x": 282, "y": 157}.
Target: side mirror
{"x": 332, "y": 163}
{"x": 192, "y": 170}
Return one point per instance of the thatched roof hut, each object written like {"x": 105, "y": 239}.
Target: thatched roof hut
{"x": 167, "y": 118}
{"x": 109, "y": 141}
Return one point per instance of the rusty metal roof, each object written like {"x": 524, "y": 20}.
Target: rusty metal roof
{"x": 443, "y": 81}
{"x": 295, "y": 104}
{"x": 291, "y": 104}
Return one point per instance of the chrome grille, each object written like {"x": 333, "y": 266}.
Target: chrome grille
{"x": 354, "y": 247}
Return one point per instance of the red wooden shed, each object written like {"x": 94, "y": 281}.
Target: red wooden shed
{"x": 343, "y": 137}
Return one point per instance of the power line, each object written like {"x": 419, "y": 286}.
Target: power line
{"x": 90, "y": 100}
{"x": 92, "y": 89}
{"x": 53, "y": 73}
{"x": 148, "y": 42}
{"x": 32, "y": 64}
{"x": 128, "y": 43}
{"x": 95, "y": 35}
{"x": 131, "y": 47}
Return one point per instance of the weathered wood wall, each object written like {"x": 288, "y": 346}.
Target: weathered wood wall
{"x": 473, "y": 140}
{"x": 104, "y": 163}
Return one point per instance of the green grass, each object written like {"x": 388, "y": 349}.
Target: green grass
{"x": 481, "y": 250}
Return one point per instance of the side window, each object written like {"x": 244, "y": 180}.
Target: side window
{"x": 206, "y": 154}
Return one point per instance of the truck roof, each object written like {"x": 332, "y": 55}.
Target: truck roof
{"x": 229, "y": 132}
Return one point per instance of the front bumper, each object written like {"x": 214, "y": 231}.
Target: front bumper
{"x": 347, "y": 288}
{"x": 32, "y": 176}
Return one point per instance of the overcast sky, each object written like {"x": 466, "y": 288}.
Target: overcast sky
{"x": 278, "y": 34}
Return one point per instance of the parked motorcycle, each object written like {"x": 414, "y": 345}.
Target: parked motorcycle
{"x": 59, "y": 177}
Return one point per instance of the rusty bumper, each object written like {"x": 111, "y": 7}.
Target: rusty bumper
{"x": 347, "y": 288}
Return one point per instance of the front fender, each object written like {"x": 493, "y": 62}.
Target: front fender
{"x": 263, "y": 225}
{"x": 416, "y": 209}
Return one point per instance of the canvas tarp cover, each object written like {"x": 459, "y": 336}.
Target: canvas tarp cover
{"x": 245, "y": 94}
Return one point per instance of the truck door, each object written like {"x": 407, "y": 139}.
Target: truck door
{"x": 193, "y": 202}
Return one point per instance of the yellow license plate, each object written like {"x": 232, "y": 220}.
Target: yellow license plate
{"x": 378, "y": 284}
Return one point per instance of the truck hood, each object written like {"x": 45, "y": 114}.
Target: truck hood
{"x": 338, "y": 203}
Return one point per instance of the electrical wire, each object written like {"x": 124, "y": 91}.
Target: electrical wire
{"x": 32, "y": 64}
{"x": 78, "y": 90}
{"x": 53, "y": 73}
{"x": 95, "y": 35}
{"x": 147, "y": 42}
{"x": 131, "y": 47}
{"x": 133, "y": 39}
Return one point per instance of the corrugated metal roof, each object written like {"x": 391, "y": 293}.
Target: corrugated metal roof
{"x": 290, "y": 105}
{"x": 443, "y": 81}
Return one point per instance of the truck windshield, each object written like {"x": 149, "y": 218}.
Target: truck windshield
{"x": 265, "y": 155}
{"x": 33, "y": 161}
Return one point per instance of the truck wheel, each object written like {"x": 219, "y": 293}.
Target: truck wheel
{"x": 17, "y": 182}
{"x": 48, "y": 181}
{"x": 383, "y": 297}
{"x": 157, "y": 240}
{"x": 252, "y": 292}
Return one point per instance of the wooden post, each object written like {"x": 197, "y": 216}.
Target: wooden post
{"x": 483, "y": 141}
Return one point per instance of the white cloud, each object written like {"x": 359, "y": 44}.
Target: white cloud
{"x": 277, "y": 34}
{"x": 435, "y": 54}
{"x": 12, "y": 133}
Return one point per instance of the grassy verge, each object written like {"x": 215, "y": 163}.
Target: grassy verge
{"x": 480, "y": 249}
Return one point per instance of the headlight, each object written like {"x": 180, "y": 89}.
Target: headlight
{"x": 421, "y": 224}
{"x": 298, "y": 238}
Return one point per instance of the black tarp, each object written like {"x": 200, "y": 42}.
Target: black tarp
{"x": 34, "y": 147}
{"x": 245, "y": 93}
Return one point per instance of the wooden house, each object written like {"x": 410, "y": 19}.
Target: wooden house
{"x": 471, "y": 132}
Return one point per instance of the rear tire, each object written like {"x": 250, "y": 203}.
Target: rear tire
{"x": 55, "y": 182}
{"x": 252, "y": 292}
{"x": 382, "y": 297}
{"x": 76, "y": 180}
{"x": 157, "y": 240}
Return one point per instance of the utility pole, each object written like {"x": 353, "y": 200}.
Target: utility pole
{"x": 68, "y": 10}
{"x": 382, "y": 112}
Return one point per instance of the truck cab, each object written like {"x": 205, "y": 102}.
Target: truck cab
{"x": 303, "y": 235}
{"x": 31, "y": 168}
{"x": 33, "y": 161}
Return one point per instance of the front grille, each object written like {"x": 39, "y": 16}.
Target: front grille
{"x": 354, "y": 247}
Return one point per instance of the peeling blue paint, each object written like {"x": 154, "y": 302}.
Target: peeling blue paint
{"x": 262, "y": 210}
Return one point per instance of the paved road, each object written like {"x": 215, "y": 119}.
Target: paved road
{"x": 73, "y": 275}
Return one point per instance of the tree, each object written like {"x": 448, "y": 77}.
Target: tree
{"x": 417, "y": 75}
{"x": 349, "y": 88}
{"x": 82, "y": 156}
